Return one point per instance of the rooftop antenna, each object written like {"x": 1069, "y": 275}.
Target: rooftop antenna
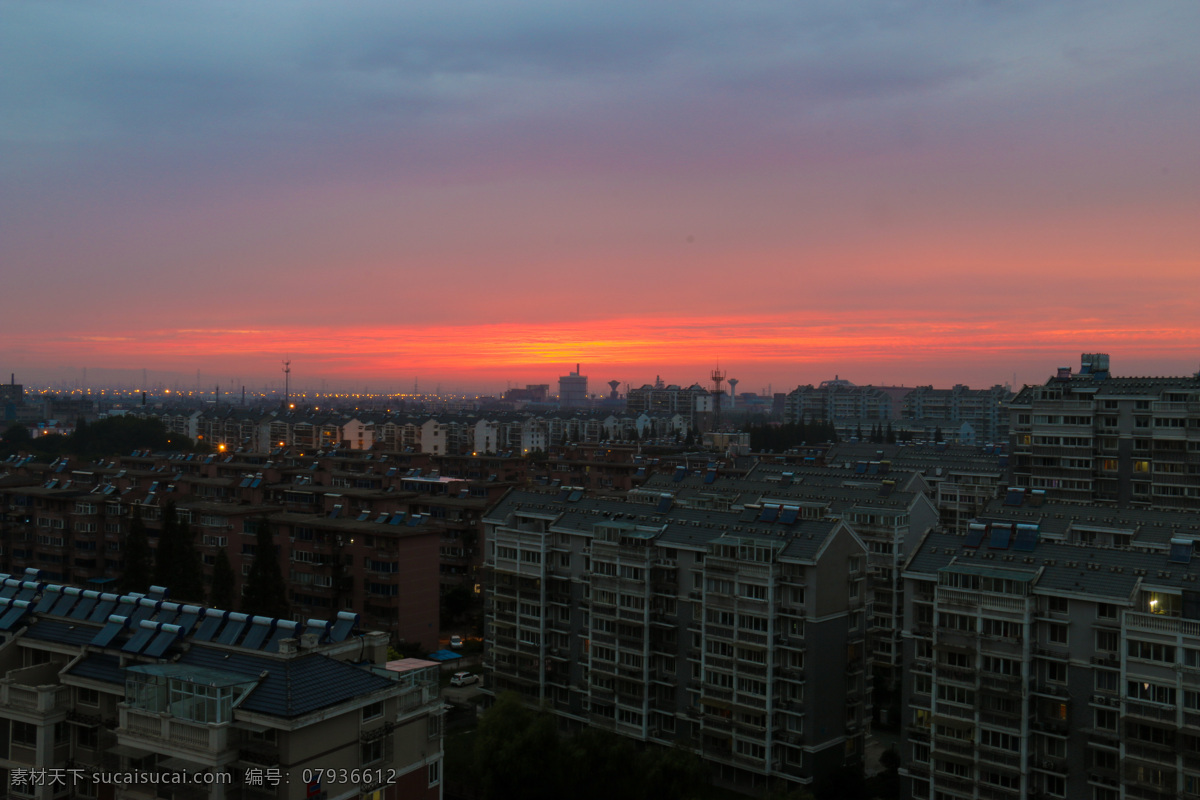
{"x": 718, "y": 377}
{"x": 287, "y": 381}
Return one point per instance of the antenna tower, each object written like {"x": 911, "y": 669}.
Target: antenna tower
{"x": 287, "y": 382}
{"x": 718, "y": 378}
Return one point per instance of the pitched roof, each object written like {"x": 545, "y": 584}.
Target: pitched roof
{"x": 291, "y": 687}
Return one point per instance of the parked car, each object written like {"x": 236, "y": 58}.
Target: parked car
{"x": 456, "y": 641}
{"x": 463, "y": 679}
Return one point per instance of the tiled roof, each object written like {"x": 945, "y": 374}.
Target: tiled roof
{"x": 291, "y": 687}
{"x": 1106, "y": 573}
{"x": 100, "y": 667}
{"x": 676, "y": 527}
{"x": 1149, "y": 527}
{"x": 63, "y": 632}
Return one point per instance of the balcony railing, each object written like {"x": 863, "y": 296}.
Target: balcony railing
{"x": 1160, "y": 623}
{"x": 165, "y": 730}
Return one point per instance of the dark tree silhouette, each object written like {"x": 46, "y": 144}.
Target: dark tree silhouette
{"x": 139, "y": 565}
{"x": 176, "y": 563}
{"x": 221, "y": 594}
{"x": 266, "y": 591}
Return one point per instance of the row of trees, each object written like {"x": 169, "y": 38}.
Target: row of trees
{"x": 777, "y": 438}
{"x": 517, "y": 752}
{"x": 882, "y": 435}
{"x": 176, "y": 564}
{"x": 107, "y": 437}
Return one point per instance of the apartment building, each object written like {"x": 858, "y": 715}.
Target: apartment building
{"x": 889, "y": 520}
{"x": 1090, "y": 437}
{"x": 312, "y": 433}
{"x": 962, "y": 480}
{"x": 252, "y": 708}
{"x": 693, "y": 403}
{"x": 840, "y": 399}
{"x": 982, "y": 409}
{"x": 722, "y": 632}
{"x": 384, "y": 552}
{"x": 1043, "y": 668}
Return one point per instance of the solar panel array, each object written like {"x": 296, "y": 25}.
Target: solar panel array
{"x": 149, "y": 624}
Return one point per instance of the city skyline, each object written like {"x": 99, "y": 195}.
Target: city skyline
{"x": 480, "y": 195}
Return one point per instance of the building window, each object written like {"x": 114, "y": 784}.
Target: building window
{"x": 1151, "y": 692}
{"x": 435, "y": 773}
{"x": 1151, "y": 651}
{"x": 1057, "y": 634}
{"x": 372, "y": 711}
{"x": 86, "y": 737}
{"x": 24, "y": 733}
{"x": 372, "y": 751}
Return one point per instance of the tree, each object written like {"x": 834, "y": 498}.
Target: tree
{"x": 517, "y": 753}
{"x": 937, "y": 433}
{"x": 138, "y": 558}
{"x": 266, "y": 592}
{"x": 177, "y": 564}
{"x": 15, "y": 437}
{"x": 609, "y": 762}
{"x": 890, "y": 436}
{"x": 671, "y": 773}
{"x": 221, "y": 592}
{"x": 844, "y": 783}
{"x": 782, "y": 790}
{"x": 455, "y": 603}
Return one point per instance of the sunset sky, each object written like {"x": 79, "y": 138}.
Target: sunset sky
{"x": 488, "y": 192}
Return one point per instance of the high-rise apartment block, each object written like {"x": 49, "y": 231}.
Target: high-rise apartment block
{"x": 1090, "y": 437}
{"x": 734, "y": 635}
{"x": 1044, "y": 664}
{"x": 694, "y": 404}
{"x": 840, "y": 399}
{"x": 974, "y": 416}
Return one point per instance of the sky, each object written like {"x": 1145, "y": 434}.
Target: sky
{"x": 479, "y": 194}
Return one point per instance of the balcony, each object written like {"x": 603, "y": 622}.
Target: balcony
{"x": 162, "y": 732}
{"x": 1159, "y": 754}
{"x": 943, "y": 745}
{"x": 1150, "y": 711}
{"x": 1001, "y": 757}
{"x": 33, "y": 699}
{"x": 1052, "y": 764}
{"x": 1160, "y": 623}
{"x": 1001, "y": 683}
{"x": 1058, "y": 727}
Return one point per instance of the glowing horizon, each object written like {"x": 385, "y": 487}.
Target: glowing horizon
{"x": 757, "y": 350}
